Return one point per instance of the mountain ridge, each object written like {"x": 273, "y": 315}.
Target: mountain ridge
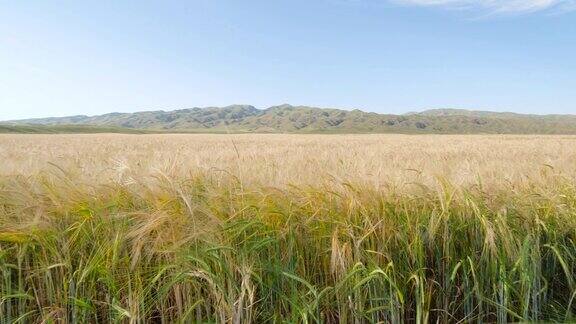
{"x": 287, "y": 118}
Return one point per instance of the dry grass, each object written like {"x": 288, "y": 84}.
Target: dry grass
{"x": 295, "y": 228}
{"x": 278, "y": 160}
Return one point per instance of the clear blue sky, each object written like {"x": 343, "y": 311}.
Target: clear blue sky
{"x": 391, "y": 56}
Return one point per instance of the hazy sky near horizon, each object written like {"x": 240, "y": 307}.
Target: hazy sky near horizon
{"x": 61, "y": 58}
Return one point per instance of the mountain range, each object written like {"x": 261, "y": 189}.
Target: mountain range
{"x": 300, "y": 119}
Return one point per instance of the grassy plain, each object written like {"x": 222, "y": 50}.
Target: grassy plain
{"x": 287, "y": 228}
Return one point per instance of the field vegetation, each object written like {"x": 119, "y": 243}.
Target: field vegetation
{"x": 287, "y": 228}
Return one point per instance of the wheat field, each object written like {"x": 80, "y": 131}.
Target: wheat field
{"x": 287, "y": 228}
{"x": 278, "y": 160}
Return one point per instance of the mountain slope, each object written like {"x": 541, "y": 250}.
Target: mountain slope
{"x": 303, "y": 119}
{"x": 491, "y": 114}
{"x": 64, "y": 129}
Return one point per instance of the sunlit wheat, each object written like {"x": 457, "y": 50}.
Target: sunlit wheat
{"x": 287, "y": 228}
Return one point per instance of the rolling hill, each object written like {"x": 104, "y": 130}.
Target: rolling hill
{"x": 64, "y": 129}
{"x": 302, "y": 119}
